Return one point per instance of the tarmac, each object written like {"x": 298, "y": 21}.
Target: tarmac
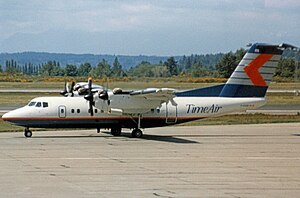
{"x": 207, "y": 161}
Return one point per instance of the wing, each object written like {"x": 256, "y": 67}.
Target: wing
{"x": 152, "y": 94}
{"x": 140, "y": 101}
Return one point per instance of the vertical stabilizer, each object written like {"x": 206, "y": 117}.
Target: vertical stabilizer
{"x": 254, "y": 73}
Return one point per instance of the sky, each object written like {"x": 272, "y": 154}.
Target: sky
{"x": 145, "y": 27}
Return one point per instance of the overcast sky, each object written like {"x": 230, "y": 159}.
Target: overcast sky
{"x": 152, "y": 27}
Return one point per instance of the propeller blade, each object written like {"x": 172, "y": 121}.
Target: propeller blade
{"x": 67, "y": 87}
{"x": 72, "y": 88}
{"x": 63, "y": 92}
{"x": 91, "y": 108}
{"x": 90, "y": 97}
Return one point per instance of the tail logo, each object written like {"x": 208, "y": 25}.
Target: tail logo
{"x": 252, "y": 69}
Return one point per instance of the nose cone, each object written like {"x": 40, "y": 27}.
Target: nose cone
{"x": 6, "y": 116}
{"x": 12, "y": 115}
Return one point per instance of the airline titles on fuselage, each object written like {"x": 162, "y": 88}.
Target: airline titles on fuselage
{"x": 214, "y": 108}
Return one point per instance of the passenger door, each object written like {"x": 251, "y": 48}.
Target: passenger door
{"x": 62, "y": 111}
{"x": 171, "y": 113}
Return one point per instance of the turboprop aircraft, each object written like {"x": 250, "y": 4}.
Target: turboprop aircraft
{"x": 155, "y": 107}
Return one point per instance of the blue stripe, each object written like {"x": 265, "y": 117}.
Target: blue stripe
{"x": 123, "y": 123}
{"x": 239, "y": 78}
{"x": 233, "y": 90}
{"x": 259, "y": 72}
{"x": 213, "y": 91}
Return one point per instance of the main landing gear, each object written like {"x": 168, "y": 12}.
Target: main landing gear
{"x": 137, "y": 132}
{"x": 27, "y": 132}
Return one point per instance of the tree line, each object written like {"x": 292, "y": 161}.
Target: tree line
{"x": 193, "y": 65}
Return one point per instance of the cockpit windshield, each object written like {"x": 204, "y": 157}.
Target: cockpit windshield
{"x": 31, "y": 104}
{"x": 38, "y": 104}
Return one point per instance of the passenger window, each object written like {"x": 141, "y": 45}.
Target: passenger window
{"x": 45, "y": 104}
{"x": 39, "y": 104}
{"x": 72, "y": 111}
{"x": 78, "y": 110}
{"x": 31, "y": 104}
{"x": 96, "y": 110}
{"x": 62, "y": 111}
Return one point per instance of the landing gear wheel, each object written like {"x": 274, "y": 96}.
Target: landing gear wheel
{"x": 137, "y": 133}
{"x": 116, "y": 131}
{"x": 27, "y": 133}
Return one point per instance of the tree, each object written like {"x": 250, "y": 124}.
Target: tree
{"x": 117, "y": 68}
{"x": 70, "y": 70}
{"x": 143, "y": 69}
{"x": 198, "y": 70}
{"x": 227, "y": 65}
{"x": 286, "y": 68}
{"x": 1, "y": 69}
{"x": 102, "y": 69}
{"x": 50, "y": 69}
{"x": 84, "y": 69}
{"x": 146, "y": 69}
{"x": 171, "y": 65}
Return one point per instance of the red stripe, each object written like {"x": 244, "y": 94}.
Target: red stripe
{"x": 252, "y": 69}
{"x": 88, "y": 118}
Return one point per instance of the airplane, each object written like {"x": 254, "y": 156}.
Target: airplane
{"x": 155, "y": 107}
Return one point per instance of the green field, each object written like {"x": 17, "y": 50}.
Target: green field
{"x": 177, "y": 83}
{"x": 17, "y": 99}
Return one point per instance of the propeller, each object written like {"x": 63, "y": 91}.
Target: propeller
{"x": 72, "y": 88}
{"x": 104, "y": 94}
{"x": 90, "y": 97}
{"x": 68, "y": 91}
{"x": 63, "y": 93}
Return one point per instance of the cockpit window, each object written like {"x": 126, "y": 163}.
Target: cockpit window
{"x": 38, "y": 104}
{"x": 31, "y": 104}
{"x": 45, "y": 104}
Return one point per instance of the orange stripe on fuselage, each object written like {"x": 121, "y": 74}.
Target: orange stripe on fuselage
{"x": 252, "y": 69}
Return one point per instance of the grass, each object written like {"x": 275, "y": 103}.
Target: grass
{"x": 18, "y": 99}
{"x": 131, "y": 83}
{"x": 282, "y": 99}
{"x": 245, "y": 119}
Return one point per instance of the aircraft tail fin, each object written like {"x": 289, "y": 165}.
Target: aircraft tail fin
{"x": 254, "y": 73}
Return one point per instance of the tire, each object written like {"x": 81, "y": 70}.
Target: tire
{"x": 116, "y": 131}
{"x": 27, "y": 133}
{"x": 137, "y": 133}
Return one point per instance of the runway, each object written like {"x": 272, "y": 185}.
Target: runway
{"x": 208, "y": 161}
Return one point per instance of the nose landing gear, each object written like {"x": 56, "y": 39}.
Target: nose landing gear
{"x": 27, "y": 132}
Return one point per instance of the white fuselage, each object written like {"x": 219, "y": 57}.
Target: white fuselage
{"x": 73, "y": 112}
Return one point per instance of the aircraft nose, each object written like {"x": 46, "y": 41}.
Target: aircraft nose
{"x": 6, "y": 116}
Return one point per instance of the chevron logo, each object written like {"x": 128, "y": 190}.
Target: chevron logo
{"x": 252, "y": 69}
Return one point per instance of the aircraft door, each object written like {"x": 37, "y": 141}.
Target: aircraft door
{"x": 62, "y": 111}
{"x": 171, "y": 113}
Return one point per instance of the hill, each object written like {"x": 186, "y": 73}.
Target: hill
{"x": 77, "y": 59}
